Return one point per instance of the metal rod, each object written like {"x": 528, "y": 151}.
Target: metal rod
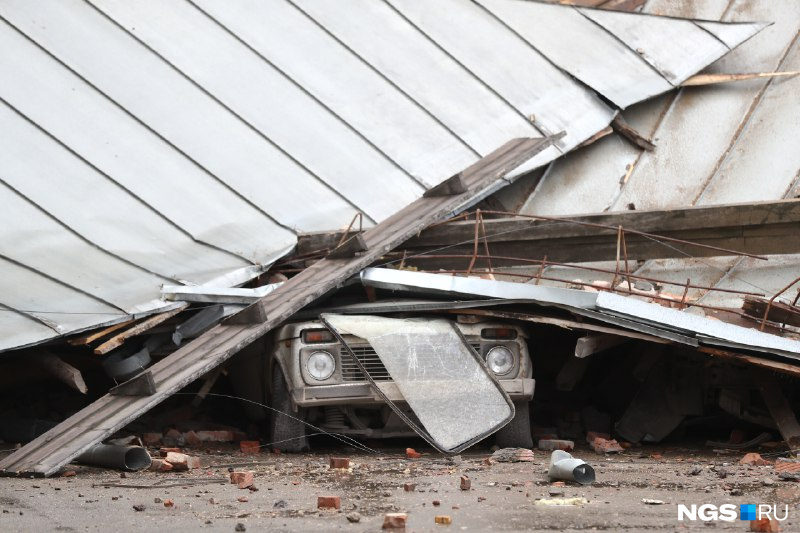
{"x": 588, "y": 268}
{"x": 635, "y": 232}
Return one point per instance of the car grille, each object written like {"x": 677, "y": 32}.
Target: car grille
{"x": 367, "y": 356}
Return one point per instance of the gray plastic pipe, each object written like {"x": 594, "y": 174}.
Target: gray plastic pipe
{"x": 564, "y": 466}
{"x": 114, "y": 456}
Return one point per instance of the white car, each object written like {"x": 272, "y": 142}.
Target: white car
{"x": 314, "y": 379}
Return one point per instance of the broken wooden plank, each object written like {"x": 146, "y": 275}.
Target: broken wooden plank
{"x": 779, "y": 407}
{"x": 140, "y": 385}
{"x": 592, "y": 344}
{"x": 89, "y": 338}
{"x": 46, "y": 454}
{"x": 117, "y": 340}
{"x": 629, "y": 132}
{"x": 63, "y": 371}
{"x": 779, "y": 312}
{"x": 710, "y": 79}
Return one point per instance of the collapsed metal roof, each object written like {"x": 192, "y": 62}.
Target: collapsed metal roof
{"x": 715, "y": 145}
{"x": 154, "y": 143}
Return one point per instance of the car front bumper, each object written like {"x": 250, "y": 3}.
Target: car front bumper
{"x": 520, "y": 389}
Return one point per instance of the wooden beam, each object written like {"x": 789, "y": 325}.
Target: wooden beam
{"x": 779, "y": 312}
{"x": 591, "y": 344}
{"x": 759, "y": 228}
{"x": 89, "y": 338}
{"x": 117, "y": 340}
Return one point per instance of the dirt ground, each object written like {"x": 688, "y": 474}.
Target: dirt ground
{"x": 503, "y": 496}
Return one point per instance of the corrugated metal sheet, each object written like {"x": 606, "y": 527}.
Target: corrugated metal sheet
{"x": 719, "y": 144}
{"x": 188, "y": 142}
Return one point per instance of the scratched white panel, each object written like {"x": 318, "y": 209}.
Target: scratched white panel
{"x": 109, "y": 138}
{"x": 521, "y": 75}
{"x": 99, "y": 51}
{"x": 91, "y": 205}
{"x": 429, "y": 75}
{"x": 597, "y": 58}
{"x": 269, "y": 101}
{"x": 767, "y": 152}
{"x": 46, "y": 302}
{"x": 17, "y": 330}
{"x": 701, "y": 126}
{"x": 732, "y": 34}
{"x": 676, "y": 48}
{"x": 44, "y": 245}
{"x": 351, "y": 88}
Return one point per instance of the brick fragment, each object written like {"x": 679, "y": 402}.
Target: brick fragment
{"x": 395, "y": 520}
{"x": 411, "y": 453}
{"x": 601, "y": 445}
{"x": 410, "y": 487}
{"x": 556, "y": 444}
{"x": 169, "y": 503}
{"x": 250, "y": 446}
{"x": 329, "y": 502}
{"x": 191, "y": 439}
{"x": 151, "y": 439}
{"x": 466, "y": 483}
{"x": 591, "y": 435}
{"x": 243, "y": 479}
{"x": 436, "y": 503}
{"x": 216, "y": 436}
{"x": 340, "y": 462}
{"x": 164, "y": 451}
{"x": 753, "y": 459}
{"x": 160, "y": 465}
{"x": 443, "y": 519}
{"x": 181, "y": 461}
{"x": 69, "y": 473}
{"x": 787, "y": 466}
{"x": 765, "y": 525}
{"x": 242, "y": 499}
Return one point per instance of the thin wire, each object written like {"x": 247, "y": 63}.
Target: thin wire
{"x": 342, "y": 438}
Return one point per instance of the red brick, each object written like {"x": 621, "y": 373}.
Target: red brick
{"x": 216, "y": 436}
{"x": 601, "y": 445}
{"x": 164, "y": 451}
{"x": 340, "y": 462}
{"x": 466, "y": 484}
{"x": 591, "y": 435}
{"x": 411, "y": 453}
{"x": 754, "y": 459}
{"x": 329, "y": 502}
{"x": 556, "y": 444}
{"x": 160, "y": 465}
{"x": 169, "y": 503}
{"x": 242, "y": 479}
{"x": 250, "y": 446}
{"x": 764, "y": 525}
{"x": 69, "y": 473}
{"x": 181, "y": 461}
{"x": 410, "y": 487}
{"x": 787, "y": 466}
{"x": 151, "y": 439}
{"x": 395, "y": 520}
{"x": 191, "y": 439}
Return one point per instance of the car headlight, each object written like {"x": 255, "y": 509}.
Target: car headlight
{"x": 321, "y": 365}
{"x": 500, "y": 360}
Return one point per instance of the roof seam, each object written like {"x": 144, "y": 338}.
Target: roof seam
{"x": 33, "y": 317}
{"x": 79, "y": 235}
{"x": 62, "y": 283}
{"x": 491, "y": 89}
{"x": 623, "y": 43}
{"x": 307, "y": 92}
{"x": 712, "y": 35}
{"x": 118, "y": 184}
{"x": 744, "y": 123}
{"x": 387, "y": 79}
